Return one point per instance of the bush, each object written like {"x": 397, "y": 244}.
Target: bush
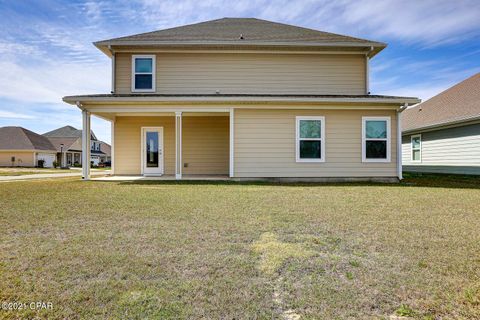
{"x": 41, "y": 163}
{"x": 55, "y": 164}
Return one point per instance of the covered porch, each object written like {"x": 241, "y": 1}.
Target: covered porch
{"x": 170, "y": 145}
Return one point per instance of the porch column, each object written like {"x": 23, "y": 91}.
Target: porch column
{"x": 178, "y": 145}
{"x": 232, "y": 143}
{"x": 399, "y": 144}
{"x": 86, "y": 145}
{"x": 112, "y": 146}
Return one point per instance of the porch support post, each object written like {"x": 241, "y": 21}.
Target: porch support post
{"x": 86, "y": 145}
{"x": 178, "y": 145}
{"x": 399, "y": 142}
{"x": 112, "y": 147}
{"x": 232, "y": 111}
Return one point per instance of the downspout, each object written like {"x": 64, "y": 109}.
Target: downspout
{"x": 399, "y": 141}
{"x": 113, "y": 69}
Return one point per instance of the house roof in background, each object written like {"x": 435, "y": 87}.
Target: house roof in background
{"x": 241, "y": 32}
{"x": 105, "y": 148}
{"x": 67, "y": 132}
{"x": 67, "y": 142}
{"x": 18, "y": 138}
{"x": 459, "y": 103}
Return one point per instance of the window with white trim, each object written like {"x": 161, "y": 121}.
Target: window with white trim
{"x": 143, "y": 73}
{"x": 376, "y": 139}
{"x": 416, "y": 141}
{"x": 310, "y": 139}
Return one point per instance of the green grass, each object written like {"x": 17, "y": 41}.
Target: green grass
{"x": 150, "y": 250}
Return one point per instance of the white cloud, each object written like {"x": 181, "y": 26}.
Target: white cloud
{"x": 49, "y": 81}
{"x": 47, "y": 56}
{"x": 14, "y": 115}
{"x": 430, "y": 22}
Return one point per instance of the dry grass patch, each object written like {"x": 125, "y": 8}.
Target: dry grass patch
{"x": 274, "y": 252}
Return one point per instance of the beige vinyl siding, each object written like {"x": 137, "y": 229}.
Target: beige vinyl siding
{"x": 459, "y": 146}
{"x": 205, "y": 144}
{"x": 127, "y": 141}
{"x": 265, "y": 144}
{"x": 26, "y": 158}
{"x": 205, "y": 73}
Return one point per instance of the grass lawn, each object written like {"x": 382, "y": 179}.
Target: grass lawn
{"x": 16, "y": 171}
{"x": 107, "y": 250}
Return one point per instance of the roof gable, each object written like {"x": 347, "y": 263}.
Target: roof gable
{"x": 458, "y": 103}
{"x": 240, "y": 31}
{"x": 18, "y": 138}
{"x": 67, "y": 132}
{"x": 64, "y": 132}
{"x": 65, "y": 143}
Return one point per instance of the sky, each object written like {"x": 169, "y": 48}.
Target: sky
{"x": 46, "y": 49}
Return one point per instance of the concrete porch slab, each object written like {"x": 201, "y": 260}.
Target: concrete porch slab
{"x": 166, "y": 177}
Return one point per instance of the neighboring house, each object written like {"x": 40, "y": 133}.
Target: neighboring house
{"x": 68, "y": 143}
{"x": 247, "y": 98}
{"x": 107, "y": 151}
{"x": 443, "y": 134}
{"x": 20, "y": 147}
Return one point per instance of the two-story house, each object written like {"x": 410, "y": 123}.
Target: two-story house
{"x": 67, "y": 141}
{"x": 246, "y": 98}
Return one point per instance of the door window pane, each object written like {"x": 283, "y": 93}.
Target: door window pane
{"x": 143, "y": 65}
{"x": 376, "y": 129}
{"x": 376, "y": 149}
{"x": 310, "y": 129}
{"x": 310, "y": 149}
{"x": 151, "y": 149}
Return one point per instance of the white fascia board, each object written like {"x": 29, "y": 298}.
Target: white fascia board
{"x": 227, "y": 100}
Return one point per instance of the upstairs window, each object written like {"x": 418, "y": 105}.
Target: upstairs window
{"x": 416, "y": 148}
{"x": 143, "y": 73}
{"x": 310, "y": 139}
{"x": 376, "y": 139}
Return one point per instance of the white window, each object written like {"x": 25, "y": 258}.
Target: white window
{"x": 143, "y": 73}
{"x": 376, "y": 139}
{"x": 310, "y": 139}
{"x": 416, "y": 141}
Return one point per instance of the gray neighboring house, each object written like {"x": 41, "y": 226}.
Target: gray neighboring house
{"x": 68, "y": 141}
{"x": 442, "y": 135}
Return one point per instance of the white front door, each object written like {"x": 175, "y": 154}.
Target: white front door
{"x": 152, "y": 150}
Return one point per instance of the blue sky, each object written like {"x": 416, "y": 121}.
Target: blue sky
{"x": 46, "y": 49}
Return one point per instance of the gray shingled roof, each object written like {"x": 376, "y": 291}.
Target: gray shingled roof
{"x": 64, "y": 132}
{"x": 18, "y": 138}
{"x": 67, "y": 142}
{"x": 456, "y": 104}
{"x": 67, "y": 132}
{"x": 241, "y": 31}
{"x": 105, "y": 148}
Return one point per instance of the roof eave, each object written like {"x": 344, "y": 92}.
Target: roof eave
{"x": 149, "y": 99}
{"x": 106, "y": 46}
